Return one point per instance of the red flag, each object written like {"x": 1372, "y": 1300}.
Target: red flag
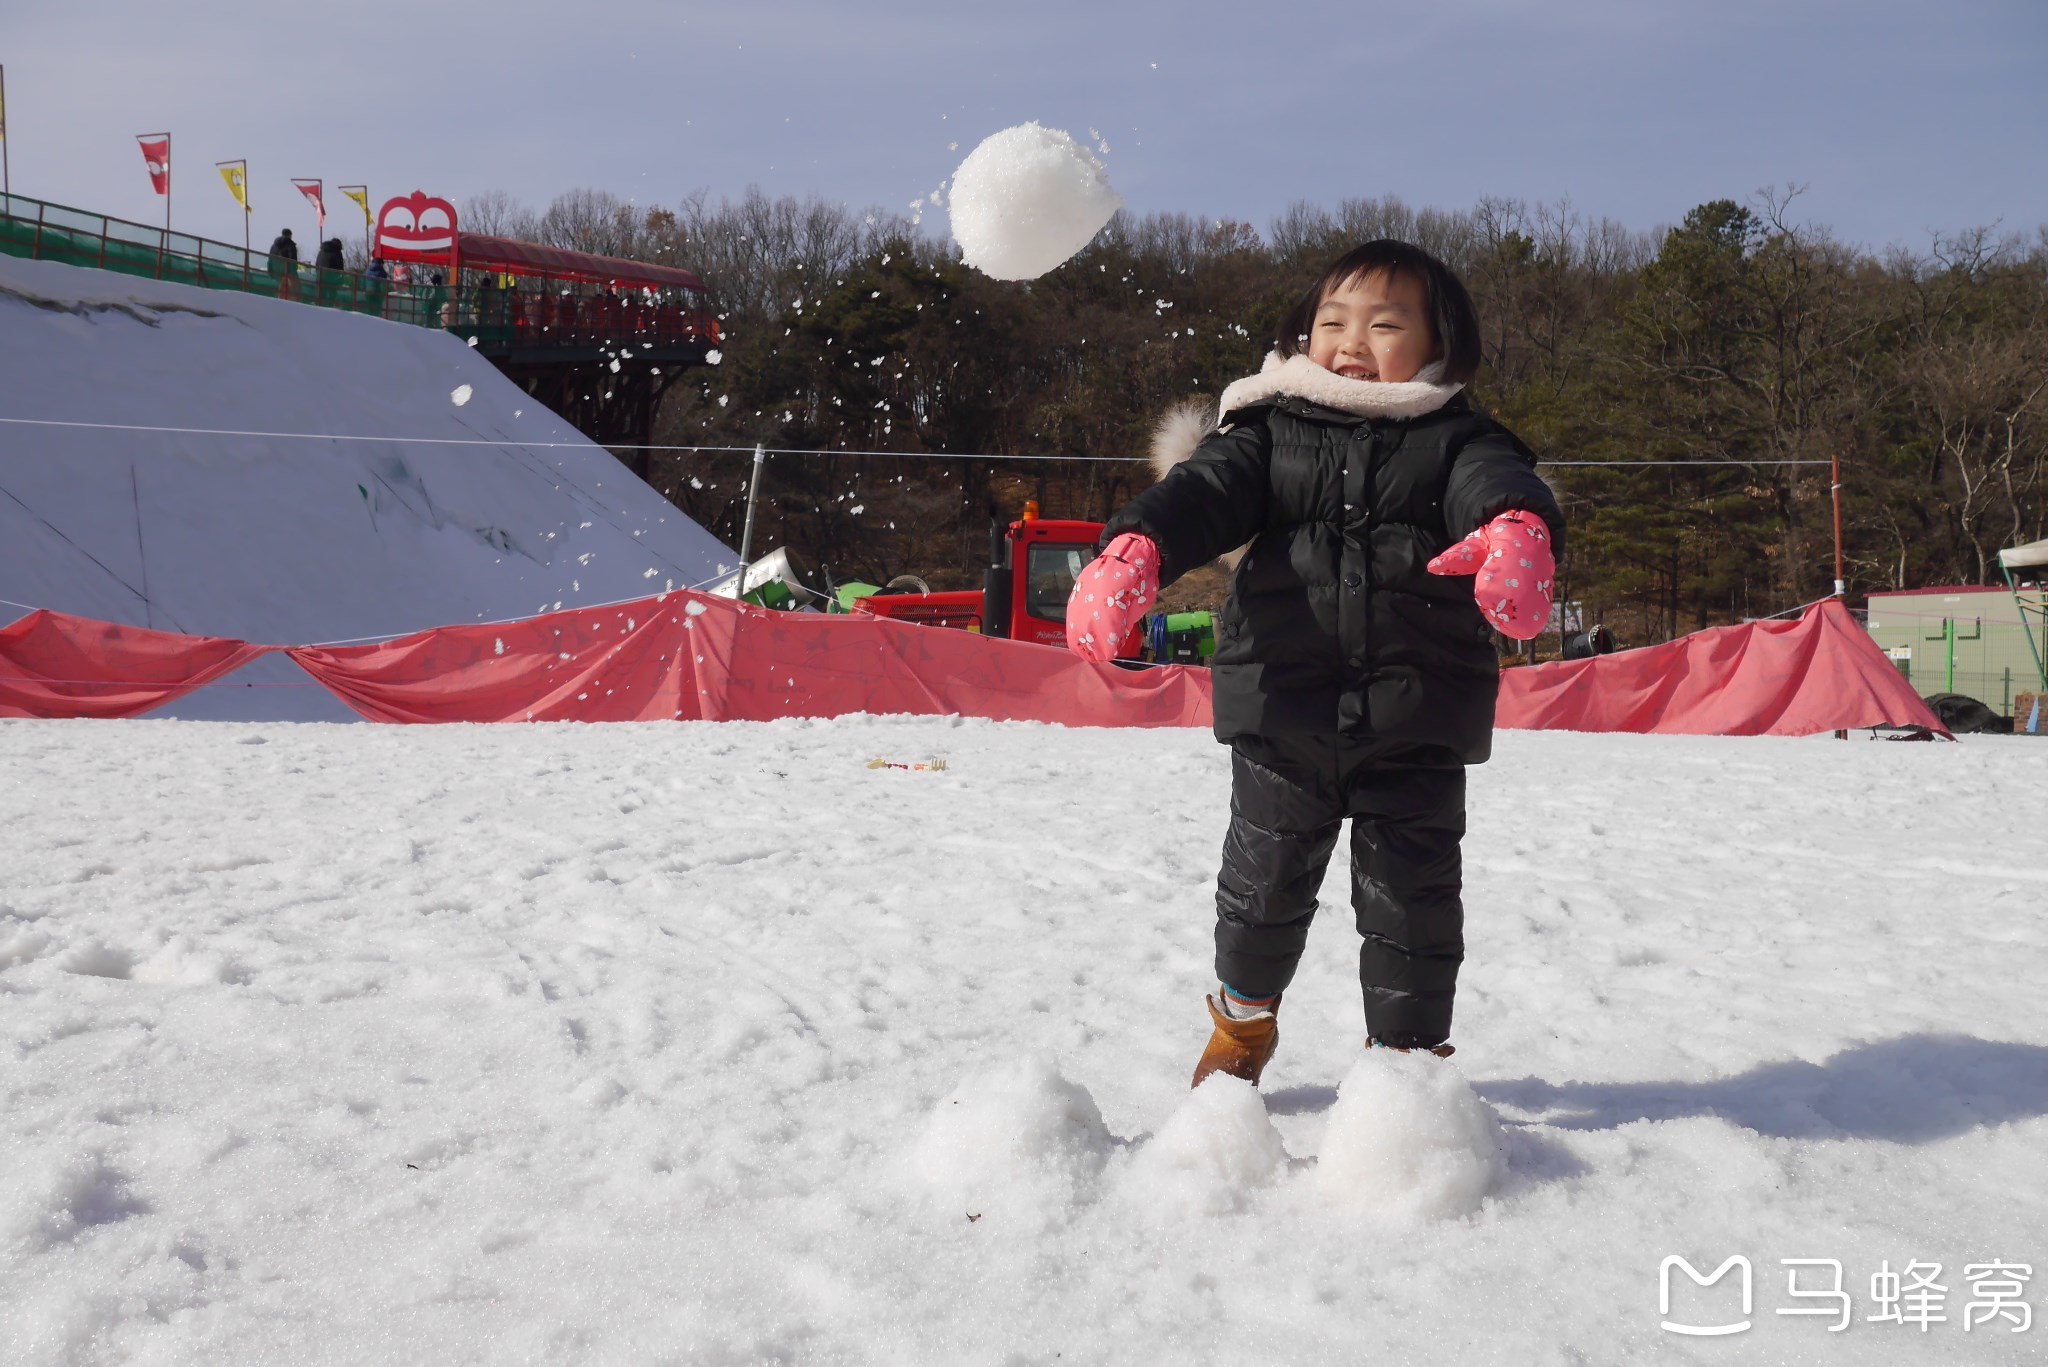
{"x": 311, "y": 190}
{"x": 156, "y": 155}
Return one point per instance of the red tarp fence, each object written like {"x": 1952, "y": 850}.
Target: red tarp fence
{"x": 695, "y": 657}
{"x": 1821, "y": 672}
{"x": 53, "y": 665}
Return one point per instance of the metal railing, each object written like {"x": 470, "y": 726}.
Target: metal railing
{"x": 530, "y": 315}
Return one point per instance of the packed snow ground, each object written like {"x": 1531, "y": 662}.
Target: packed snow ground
{"x": 709, "y": 1043}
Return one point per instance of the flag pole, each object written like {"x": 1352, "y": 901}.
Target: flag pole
{"x": 1835, "y": 492}
{"x": 6, "y": 177}
{"x": 364, "y": 205}
{"x": 164, "y": 188}
{"x": 241, "y": 195}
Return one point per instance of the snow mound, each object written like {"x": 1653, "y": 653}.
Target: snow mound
{"x": 1017, "y": 1141}
{"x": 1215, "y": 1151}
{"x": 54, "y": 1198}
{"x": 1410, "y": 1140}
{"x": 20, "y": 944}
{"x": 183, "y": 961}
{"x": 1026, "y": 199}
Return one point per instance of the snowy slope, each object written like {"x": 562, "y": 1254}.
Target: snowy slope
{"x": 703, "y": 1043}
{"x": 294, "y": 541}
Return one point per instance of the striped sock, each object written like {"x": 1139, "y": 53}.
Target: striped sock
{"x": 1242, "y": 1006}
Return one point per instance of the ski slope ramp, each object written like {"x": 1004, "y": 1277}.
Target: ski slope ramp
{"x": 378, "y": 524}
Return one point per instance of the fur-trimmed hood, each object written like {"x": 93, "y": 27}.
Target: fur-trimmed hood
{"x": 1184, "y": 425}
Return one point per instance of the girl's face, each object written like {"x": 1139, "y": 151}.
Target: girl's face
{"x": 1374, "y": 327}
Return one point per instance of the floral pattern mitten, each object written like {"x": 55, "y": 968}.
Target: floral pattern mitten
{"x": 1514, "y": 572}
{"x": 1110, "y": 595}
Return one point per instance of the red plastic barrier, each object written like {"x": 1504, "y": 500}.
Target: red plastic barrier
{"x": 1798, "y": 678}
{"x": 56, "y": 665}
{"x": 692, "y": 656}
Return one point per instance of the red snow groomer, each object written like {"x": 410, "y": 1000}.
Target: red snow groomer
{"x": 1033, "y": 563}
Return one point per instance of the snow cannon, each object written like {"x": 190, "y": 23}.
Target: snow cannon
{"x": 777, "y": 580}
{"x": 1586, "y": 644}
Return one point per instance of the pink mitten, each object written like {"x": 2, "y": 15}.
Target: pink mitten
{"x": 1110, "y": 595}
{"x": 1511, "y": 557}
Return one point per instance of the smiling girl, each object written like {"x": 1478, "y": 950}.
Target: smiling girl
{"x": 1391, "y": 529}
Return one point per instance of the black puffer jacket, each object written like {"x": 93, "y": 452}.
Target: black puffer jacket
{"x": 1333, "y": 624}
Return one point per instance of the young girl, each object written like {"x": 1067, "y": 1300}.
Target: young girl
{"x": 1392, "y": 529}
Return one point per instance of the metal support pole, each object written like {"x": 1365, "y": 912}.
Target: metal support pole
{"x": 1835, "y": 491}
{"x": 2012, "y": 586}
{"x": 1835, "y": 495}
{"x": 747, "y": 532}
{"x": 6, "y": 176}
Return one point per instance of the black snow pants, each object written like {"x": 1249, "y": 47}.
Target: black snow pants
{"x": 1289, "y": 796}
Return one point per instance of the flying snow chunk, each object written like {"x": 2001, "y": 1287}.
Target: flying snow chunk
{"x": 713, "y": 356}
{"x": 461, "y": 394}
{"x": 1027, "y": 199}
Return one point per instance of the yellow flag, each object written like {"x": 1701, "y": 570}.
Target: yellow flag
{"x": 361, "y": 195}
{"x": 237, "y": 178}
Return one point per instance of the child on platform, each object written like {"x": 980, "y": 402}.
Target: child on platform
{"x": 1392, "y": 530}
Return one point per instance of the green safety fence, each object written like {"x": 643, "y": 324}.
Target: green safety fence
{"x": 41, "y": 231}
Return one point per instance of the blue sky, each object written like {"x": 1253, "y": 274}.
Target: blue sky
{"x": 1901, "y": 120}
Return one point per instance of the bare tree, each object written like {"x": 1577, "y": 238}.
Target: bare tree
{"x": 497, "y": 214}
{"x": 591, "y": 221}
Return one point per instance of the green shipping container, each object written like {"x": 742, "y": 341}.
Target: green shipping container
{"x": 1967, "y": 640}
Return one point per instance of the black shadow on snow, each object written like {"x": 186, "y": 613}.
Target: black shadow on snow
{"x": 1911, "y": 1090}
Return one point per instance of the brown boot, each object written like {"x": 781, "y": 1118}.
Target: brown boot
{"x": 1239, "y": 1048}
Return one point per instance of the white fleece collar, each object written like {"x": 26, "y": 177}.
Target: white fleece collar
{"x": 1301, "y": 378}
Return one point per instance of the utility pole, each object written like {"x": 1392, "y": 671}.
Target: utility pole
{"x": 1835, "y": 491}
{"x": 747, "y": 533}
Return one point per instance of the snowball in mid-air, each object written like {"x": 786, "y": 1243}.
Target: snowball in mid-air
{"x": 1211, "y": 1156}
{"x": 1027, "y": 199}
{"x": 460, "y": 394}
{"x": 1410, "y": 1140}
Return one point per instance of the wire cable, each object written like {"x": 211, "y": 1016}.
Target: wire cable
{"x": 749, "y": 450}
